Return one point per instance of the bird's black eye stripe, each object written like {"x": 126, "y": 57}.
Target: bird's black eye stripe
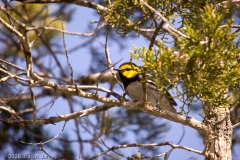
{"x": 127, "y": 69}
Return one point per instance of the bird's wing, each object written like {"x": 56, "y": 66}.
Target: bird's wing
{"x": 168, "y": 95}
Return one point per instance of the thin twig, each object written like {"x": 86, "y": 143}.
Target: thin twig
{"x": 33, "y": 100}
{"x": 8, "y": 109}
{"x": 159, "y": 155}
{"x": 54, "y": 99}
{"x": 11, "y": 28}
{"x": 234, "y": 105}
{"x": 180, "y": 140}
{"x": 99, "y": 77}
{"x": 70, "y": 66}
{"x": 68, "y": 32}
{"x": 110, "y": 66}
{"x": 236, "y": 125}
{"x": 20, "y": 68}
{"x": 12, "y": 17}
{"x": 174, "y": 32}
{"x": 4, "y": 79}
{"x": 155, "y": 35}
{"x": 49, "y": 156}
{"x": 106, "y": 146}
{"x": 8, "y": 15}
{"x": 60, "y": 118}
{"x": 147, "y": 145}
{"x": 41, "y": 32}
{"x": 13, "y": 76}
{"x": 109, "y": 63}
{"x": 17, "y": 95}
{"x": 107, "y": 51}
{"x": 47, "y": 140}
{"x": 101, "y": 89}
{"x": 77, "y": 126}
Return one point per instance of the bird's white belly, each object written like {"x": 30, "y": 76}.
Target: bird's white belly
{"x": 135, "y": 92}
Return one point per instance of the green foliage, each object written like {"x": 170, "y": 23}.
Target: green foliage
{"x": 126, "y": 15}
{"x": 210, "y": 66}
{"x": 119, "y": 13}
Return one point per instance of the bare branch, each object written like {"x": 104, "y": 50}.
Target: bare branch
{"x": 165, "y": 154}
{"x": 112, "y": 102}
{"x": 28, "y": 57}
{"x": 174, "y": 32}
{"x": 66, "y": 53}
{"x": 92, "y": 5}
{"x": 41, "y": 32}
{"x": 17, "y": 95}
{"x": 12, "y": 17}
{"x": 67, "y": 32}
{"x": 76, "y": 2}
{"x": 110, "y": 66}
{"x": 236, "y": 125}
{"x": 11, "y": 64}
{"x": 155, "y": 35}
{"x": 71, "y": 90}
{"x": 13, "y": 76}
{"x": 60, "y": 118}
{"x": 11, "y": 28}
{"x": 104, "y": 77}
{"x": 107, "y": 146}
{"x": 43, "y": 150}
{"x": 148, "y": 145}
{"x": 8, "y": 109}
{"x": 144, "y": 33}
{"x": 34, "y": 103}
{"x": 48, "y": 140}
{"x": 53, "y": 102}
{"x": 107, "y": 51}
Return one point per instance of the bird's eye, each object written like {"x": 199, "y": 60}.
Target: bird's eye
{"x": 127, "y": 69}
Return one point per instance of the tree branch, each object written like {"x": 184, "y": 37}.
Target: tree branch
{"x": 92, "y": 5}
{"x": 71, "y": 90}
{"x": 59, "y": 118}
{"x": 148, "y": 145}
{"x": 174, "y": 32}
{"x": 111, "y": 102}
{"x": 11, "y": 28}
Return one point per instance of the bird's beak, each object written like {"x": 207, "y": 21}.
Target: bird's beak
{"x": 116, "y": 69}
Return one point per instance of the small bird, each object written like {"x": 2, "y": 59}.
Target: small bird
{"x": 130, "y": 76}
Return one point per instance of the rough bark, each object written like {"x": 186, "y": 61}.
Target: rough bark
{"x": 218, "y": 141}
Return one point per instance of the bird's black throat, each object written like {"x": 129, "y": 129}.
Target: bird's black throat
{"x": 127, "y": 81}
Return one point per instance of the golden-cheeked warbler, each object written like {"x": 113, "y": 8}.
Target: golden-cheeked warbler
{"x": 131, "y": 78}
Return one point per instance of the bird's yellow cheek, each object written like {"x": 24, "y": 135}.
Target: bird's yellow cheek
{"x": 130, "y": 74}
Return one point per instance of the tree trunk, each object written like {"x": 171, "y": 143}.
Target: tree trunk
{"x": 218, "y": 141}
